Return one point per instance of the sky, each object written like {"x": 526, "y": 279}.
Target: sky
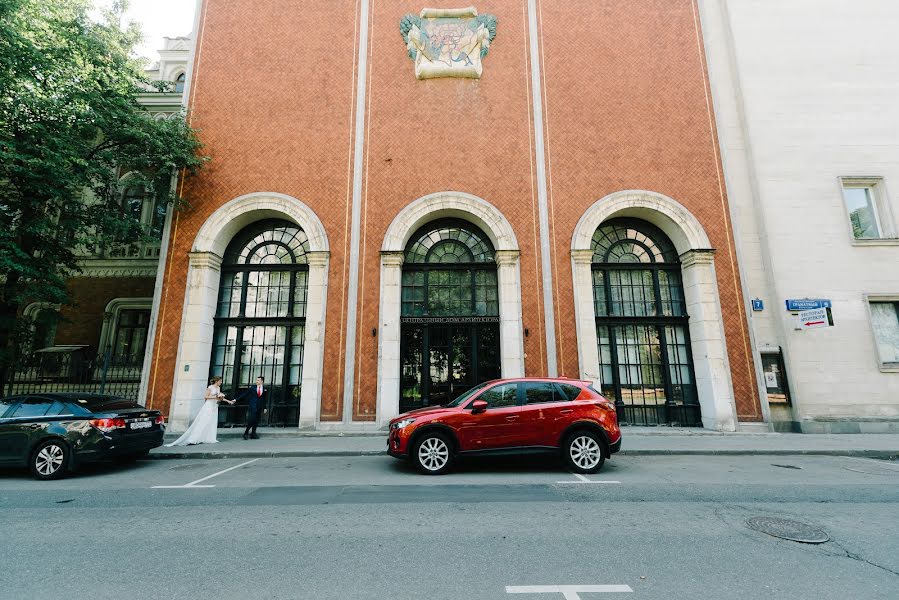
{"x": 158, "y": 19}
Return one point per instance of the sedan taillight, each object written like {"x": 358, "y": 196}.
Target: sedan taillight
{"x": 107, "y": 425}
{"x": 160, "y": 420}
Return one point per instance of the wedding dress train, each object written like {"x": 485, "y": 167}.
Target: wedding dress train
{"x": 203, "y": 429}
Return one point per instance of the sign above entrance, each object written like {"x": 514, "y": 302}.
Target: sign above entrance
{"x": 807, "y": 304}
{"x": 441, "y": 320}
{"x": 448, "y": 42}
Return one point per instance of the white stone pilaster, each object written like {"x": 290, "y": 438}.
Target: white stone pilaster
{"x": 585, "y": 315}
{"x": 710, "y": 363}
{"x": 510, "y": 322}
{"x": 192, "y": 369}
{"x": 388, "y": 399}
{"x": 314, "y": 342}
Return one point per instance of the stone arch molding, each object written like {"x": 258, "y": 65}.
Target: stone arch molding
{"x": 221, "y": 227}
{"x": 494, "y": 224}
{"x": 201, "y": 296}
{"x": 713, "y": 378}
{"x": 450, "y": 204}
{"x": 669, "y": 215}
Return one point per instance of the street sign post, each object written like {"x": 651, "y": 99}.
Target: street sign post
{"x": 815, "y": 318}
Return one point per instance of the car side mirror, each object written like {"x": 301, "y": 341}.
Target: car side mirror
{"x": 478, "y": 406}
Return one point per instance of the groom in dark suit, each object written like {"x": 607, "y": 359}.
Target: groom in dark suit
{"x": 257, "y": 400}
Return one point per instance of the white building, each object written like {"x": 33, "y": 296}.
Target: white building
{"x": 806, "y": 94}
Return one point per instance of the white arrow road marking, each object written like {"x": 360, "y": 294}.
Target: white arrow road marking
{"x": 569, "y": 592}
{"x": 193, "y": 484}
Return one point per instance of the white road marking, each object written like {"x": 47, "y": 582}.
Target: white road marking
{"x": 872, "y": 461}
{"x": 182, "y": 487}
{"x": 569, "y": 592}
{"x": 585, "y": 480}
{"x": 193, "y": 484}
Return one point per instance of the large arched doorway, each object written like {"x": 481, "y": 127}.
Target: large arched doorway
{"x": 260, "y": 320}
{"x": 449, "y": 319}
{"x": 645, "y": 360}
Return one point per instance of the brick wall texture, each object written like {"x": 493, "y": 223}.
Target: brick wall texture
{"x": 81, "y": 321}
{"x": 626, "y": 105}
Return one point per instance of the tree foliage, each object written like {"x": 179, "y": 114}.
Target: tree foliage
{"x": 70, "y": 124}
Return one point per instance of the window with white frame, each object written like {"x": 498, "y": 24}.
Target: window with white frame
{"x": 869, "y": 214}
{"x": 885, "y": 323}
{"x": 179, "y": 83}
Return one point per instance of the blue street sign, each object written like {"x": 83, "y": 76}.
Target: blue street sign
{"x": 807, "y": 304}
{"x": 758, "y": 305}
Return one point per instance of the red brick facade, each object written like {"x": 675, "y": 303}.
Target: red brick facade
{"x": 626, "y": 106}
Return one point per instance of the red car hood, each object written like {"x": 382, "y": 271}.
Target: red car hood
{"x": 420, "y": 412}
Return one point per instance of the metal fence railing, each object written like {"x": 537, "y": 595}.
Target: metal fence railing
{"x": 44, "y": 372}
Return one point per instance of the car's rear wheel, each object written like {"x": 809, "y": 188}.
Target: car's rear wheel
{"x": 433, "y": 453}
{"x": 50, "y": 460}
{"x": 583, "y": 452}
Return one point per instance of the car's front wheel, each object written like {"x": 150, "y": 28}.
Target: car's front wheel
{"x": 433, "y": 453}
{"x": 50, "y": 460}
{"x": 583, "y": 452}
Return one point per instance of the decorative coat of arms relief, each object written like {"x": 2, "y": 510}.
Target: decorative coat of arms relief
{"x": 448, "y": 42}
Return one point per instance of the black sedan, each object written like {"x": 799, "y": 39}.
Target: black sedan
{"x": 51, "y": 433}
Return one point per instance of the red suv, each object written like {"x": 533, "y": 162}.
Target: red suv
{"x": 510, "y": 416}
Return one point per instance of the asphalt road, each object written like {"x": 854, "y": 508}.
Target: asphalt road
{"x": 370, "y": 527}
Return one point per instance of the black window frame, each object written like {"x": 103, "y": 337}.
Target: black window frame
{"x": 662, "y": 257}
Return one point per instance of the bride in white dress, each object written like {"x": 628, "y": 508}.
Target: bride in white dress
{"x": 205, "y": 425}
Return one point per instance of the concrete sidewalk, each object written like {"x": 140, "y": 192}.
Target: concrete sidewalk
{"x": 637, "y": 441}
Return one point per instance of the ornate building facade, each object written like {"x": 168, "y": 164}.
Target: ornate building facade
{"x": 436, "y": 197}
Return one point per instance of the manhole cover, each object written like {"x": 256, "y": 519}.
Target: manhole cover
{"x": 788, "y": 530}
{"x": 186, "y": 467}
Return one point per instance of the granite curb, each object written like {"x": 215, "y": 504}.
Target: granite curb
{"x": 224, "y": 454}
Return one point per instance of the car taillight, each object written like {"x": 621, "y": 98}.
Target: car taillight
{"x": 106, "y": 425}
{"x": 605, "y": 404}
{"x": 160, "y": 420}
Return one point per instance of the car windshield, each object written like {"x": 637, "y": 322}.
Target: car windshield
{"x": 466, "y": 395}
{"x": 104, "y": 403}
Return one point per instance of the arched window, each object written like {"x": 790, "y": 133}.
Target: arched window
{"x": 641, "y": 324}
{"x": 179, "y": 83}
{"x": 261, "y": 316}
{"x": 449, "y": 314}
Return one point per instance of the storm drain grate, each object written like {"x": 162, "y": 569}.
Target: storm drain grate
{"x": 787, "y": 529}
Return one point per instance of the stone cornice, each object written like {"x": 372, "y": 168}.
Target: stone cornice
{"x": 582, "y": 257}
{"x": 133, "y": 267}
{"x": 205, "y": 260}
{"x": 697, "y": 257}
{"x": 391, "y": 258}
{"x": 318, "y": 258}
{"x": 507, "y": 257}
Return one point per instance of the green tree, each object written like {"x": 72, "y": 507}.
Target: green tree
{"x": 70, "y": 122}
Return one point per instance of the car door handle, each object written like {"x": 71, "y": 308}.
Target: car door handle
{"x": 511, "y": 417}
{"x": 34, "y": 426}
{"x": 566, "y": 411}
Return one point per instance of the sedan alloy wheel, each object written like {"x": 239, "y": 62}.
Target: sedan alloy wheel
{"x": 50, "y": 460}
